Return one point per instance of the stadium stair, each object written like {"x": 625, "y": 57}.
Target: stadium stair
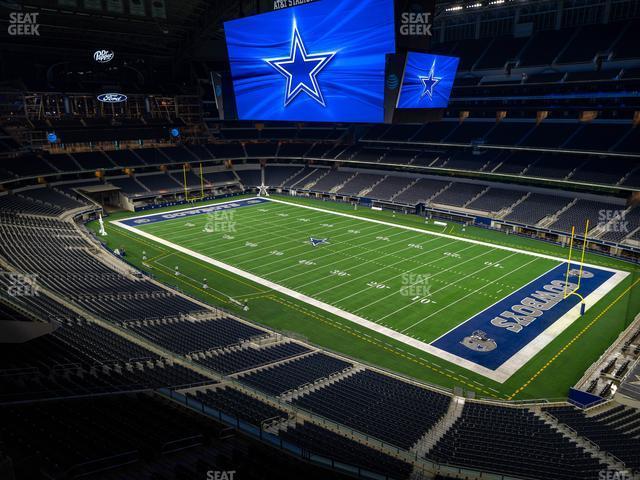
{"x": 440, "y": 192}
{"x": 293, "y": 394}
{"x": 402, "y": 190}
{"x": 310, "y": 185}
{"x": 572, "y": 172}
{"x": 425, "y": 444}
{"x": 291, "y": 177}
{"x": 249, "y": 371}
{"x": 311, "y": 172}
{"x": 363, "y": 192}
{"x": 476, "y": 197}
{"x": 550, "y": 219}
{"x": 613, "y": 463}
{"x": 335, "y": 188}
{"x": 506, "y": 211}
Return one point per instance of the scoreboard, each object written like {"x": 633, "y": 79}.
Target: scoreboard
{"x": 335, "y": 61}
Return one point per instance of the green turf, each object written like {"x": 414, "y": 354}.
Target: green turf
{"x": 411, "y": 282}
{"x": 366, "y": 269}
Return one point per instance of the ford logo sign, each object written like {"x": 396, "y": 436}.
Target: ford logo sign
{"x": 112, "y": 97}
{"x": 103, "y": 56}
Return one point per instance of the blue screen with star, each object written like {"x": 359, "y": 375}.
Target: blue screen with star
{"x": 323, "y": 61}
{"x": 427, "y": 80}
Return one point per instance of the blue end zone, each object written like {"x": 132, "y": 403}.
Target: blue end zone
{"x": 494, "y": 335}
{"x": 189, "y": 212}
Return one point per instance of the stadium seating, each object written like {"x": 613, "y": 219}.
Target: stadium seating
{"x": 295, "y": 373}
{"x": 495, "y": 199}
{"x": 378, "y": 405}
{"x": 536, "y": 207}
{"x": 229, "y": 361}
{"x": 514, "y": 441}
{"x": 608, "y": 430}
{"x": 184, "y": 336}
{"x": 238, "y": 404}
{"x": 324, "y": 442}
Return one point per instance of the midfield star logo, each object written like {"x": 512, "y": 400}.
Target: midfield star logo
{"x": 317, "y": 241}
{"x": 429, "y": 82}
{"x": 301, "y": 69}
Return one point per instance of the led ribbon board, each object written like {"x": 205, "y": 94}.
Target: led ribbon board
{"x": 427, "y": 80}
{"x": 323, "y": 61}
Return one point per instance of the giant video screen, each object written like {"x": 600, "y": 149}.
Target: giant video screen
{"x": 321, "y": 62}
{"x": 427, "y": 80}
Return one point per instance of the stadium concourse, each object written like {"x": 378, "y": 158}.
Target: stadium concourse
{"x": 340, "y": 239}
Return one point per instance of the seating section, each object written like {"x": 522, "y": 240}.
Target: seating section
{"x": 93, "y": 160}
{"x": 82, "y": 358}
{"x": 184, "y": 336}
{"x": 290, "y": 375}
{"x": 622, "y": 225}
{"x": 515, "y": 442}
{"x": 275, "y": 176}
{"x": 421, "y": 191}
{"x": 536, "y": 207}
{"x": 238, "y": 404}
{"x": 332, "y": 180}
{"x": 359, "y": 183}
{"x": 319, "y": 441}
{"x": 388, "y": 409}
{"x": 28, "y": 165}
{"x": 250, "y": 178}
{"x": 237, "y": 360}
{"x": 459, "y": 194}
{"x": 609, "y": 430}
{"x": 581, "y": 212}
{"x": 20, "y": 204}
{"x": 389, "y": 187}
{"x": 52, "y": 198}
{"x": 77, "y": 437}
{"x": 65, "y": 264}
{"x": 158, "y": 182}
{"x": 129, "y": 186}
{"x": 496, "y": 199}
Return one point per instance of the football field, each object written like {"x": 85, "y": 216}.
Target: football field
{"x": 487, "y": 308}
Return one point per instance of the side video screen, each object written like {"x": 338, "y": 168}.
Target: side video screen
{"x": 427, "y": 80}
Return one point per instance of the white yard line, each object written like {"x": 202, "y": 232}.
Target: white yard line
{"x": 277, "y": 227}
{"x": 435, "y": 274}
{"x": 472, "y": 293}
{"x": 360, "y": 264}
{"x": 306, "y": 251}
{"x": 499, "y": 375}
{"x": 437, "y": 234}
{"x": 177, "y": 225}
{"x": 408, "y": 271}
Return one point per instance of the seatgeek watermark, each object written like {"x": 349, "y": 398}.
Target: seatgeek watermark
{"x": 610, "y": 474}
{"x": 613, "y": 221}
{"x": 220, "y": 221}
{"x": 221, "y": 475}
{"x": 21, "y": 285}
{"x": 23, "y": 24}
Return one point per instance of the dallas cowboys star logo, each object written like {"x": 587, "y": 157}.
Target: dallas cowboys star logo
{"x": 429, "y": 82}
{"x": 301, "y": 69}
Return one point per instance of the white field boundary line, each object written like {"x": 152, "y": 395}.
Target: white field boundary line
{"x": 500, "y": 375}
{"x": 425, "y": 347}
{"x": 444, "y": 235}
{"x": 513, "y": 364}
